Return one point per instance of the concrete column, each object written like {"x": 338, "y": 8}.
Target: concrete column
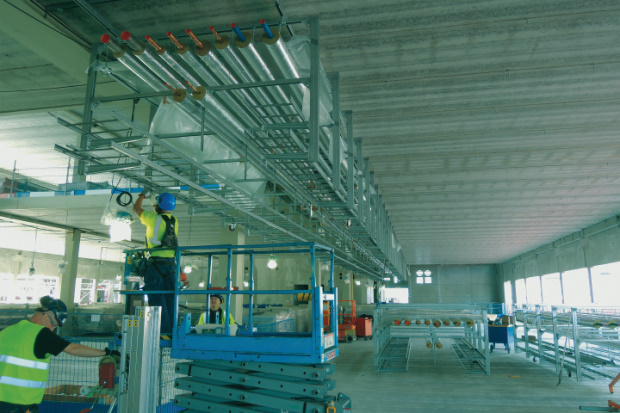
{"x": 236, "y": 237}
{"x": 67, "y": 281}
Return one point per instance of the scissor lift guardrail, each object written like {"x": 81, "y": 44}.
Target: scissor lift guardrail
{"x": 313, "y": 347}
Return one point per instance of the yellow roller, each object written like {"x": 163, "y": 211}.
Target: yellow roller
{"x": 469, "y": 322}
{"x": 407, "y": 322}
{"x": 303, "y": 297}
{"x": 397, "y": 322}
{"x": 456, "y": 322}
{"x": 438, "y": 344}
{"x": 612, "y": 324}
{"x": 427, "y": 322}
{"x": 446, "y": 322}
{"x": 417, "y": 322}
{"x": 597, "y": 323}
{"x": 437, "y": 323}
{"x": 429, "y": 344}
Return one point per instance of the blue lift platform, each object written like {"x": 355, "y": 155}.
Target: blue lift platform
{"x": 253, "y": 370}
{"x": 317, "y": 346}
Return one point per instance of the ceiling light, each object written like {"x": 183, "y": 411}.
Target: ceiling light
{"x": 419, "y": 273}
{"x": 272, "y": 264}
{"x": 118, "y": 277}
{"x": 427, "y": 273}
{"x": 358, "y": 282}
{"x": 395, "y": 280}
{"x": 246, "y": 284}
{"x": 387, "y": 279}
{"x": 187, "y": 269}
{"x": 201, "y": 284}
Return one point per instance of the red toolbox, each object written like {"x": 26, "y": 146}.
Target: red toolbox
{"x": 363, "y": 327}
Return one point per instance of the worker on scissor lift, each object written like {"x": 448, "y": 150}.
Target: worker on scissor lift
{"x": 161, "y": 235}
{"x": 25, "y": 350}
{"x": 216, "y": 314}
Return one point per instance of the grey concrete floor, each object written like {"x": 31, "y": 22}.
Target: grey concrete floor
{"x": 516, "y": 384}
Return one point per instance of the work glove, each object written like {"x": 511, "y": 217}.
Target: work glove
{"x": 146, "y": 191}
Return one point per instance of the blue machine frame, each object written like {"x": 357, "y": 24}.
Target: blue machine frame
{"x": 315, "y": 347}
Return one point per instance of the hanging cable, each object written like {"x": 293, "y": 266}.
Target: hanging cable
{"x": 121, "y": 202}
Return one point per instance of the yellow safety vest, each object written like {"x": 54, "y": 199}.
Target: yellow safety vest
{"x": 155, "y": 232}
{"x": 23, "y": 377}
{"x": 204, "y": 317}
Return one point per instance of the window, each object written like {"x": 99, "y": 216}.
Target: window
{"x": 397, "y": 295}
{"x": 576, "y": 286}
{"x": 508, "y": 295}
{"x": 532, "y": 285}
{"x": 521, "y": 291}
{"x": 6, "y": 293}
{"x": 29, "y": 288}
{"x": 424, "y": 277}
{"x": 606, "y": 283}
{"x": 370, "y": 295}
{"x": 87, "y": 291}
{"x": 552, "y": 289}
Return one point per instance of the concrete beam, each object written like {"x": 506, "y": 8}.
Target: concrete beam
{"x": 38, "y": 35}
{"x": 43, "y": 40}
{"x": 68, "y": 202}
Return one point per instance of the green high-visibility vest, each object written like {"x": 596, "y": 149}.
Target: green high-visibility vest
{"x": 23, "y": 377}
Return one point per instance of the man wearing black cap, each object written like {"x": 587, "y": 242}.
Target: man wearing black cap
{"x": 25, "y": 350}
{"x": 216, "y": 314}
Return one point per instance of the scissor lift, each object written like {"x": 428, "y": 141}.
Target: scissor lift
{"x": 346, "y": 320}
{"x": 289, "y": 366}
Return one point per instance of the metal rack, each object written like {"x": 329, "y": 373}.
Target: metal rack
{"x": 396, "y": 324}
{"x": 264, "y": 101}
{"x": 583, "y": 340}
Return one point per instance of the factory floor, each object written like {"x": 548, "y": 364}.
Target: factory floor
{"x": 516, "y": 384}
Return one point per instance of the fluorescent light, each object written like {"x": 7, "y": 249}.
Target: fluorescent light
{"x": 387, "y": 279}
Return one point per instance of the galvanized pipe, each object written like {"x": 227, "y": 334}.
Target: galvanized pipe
{"x": 206, "y": 78}
{"x": 131, "y": 63}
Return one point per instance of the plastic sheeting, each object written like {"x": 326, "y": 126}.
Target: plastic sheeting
{"x": 171, "y": 119}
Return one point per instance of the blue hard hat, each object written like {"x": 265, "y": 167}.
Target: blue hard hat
{"x": 166, "y": 201}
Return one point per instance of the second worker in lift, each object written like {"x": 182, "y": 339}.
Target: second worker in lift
{"x": 216, "y": 315}
{"x": 161, "y": 235}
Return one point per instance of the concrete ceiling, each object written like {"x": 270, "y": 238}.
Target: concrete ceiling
{"x": 491, "y": 126}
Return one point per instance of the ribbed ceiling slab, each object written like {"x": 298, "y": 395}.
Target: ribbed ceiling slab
{"x": 491, "y": 126}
